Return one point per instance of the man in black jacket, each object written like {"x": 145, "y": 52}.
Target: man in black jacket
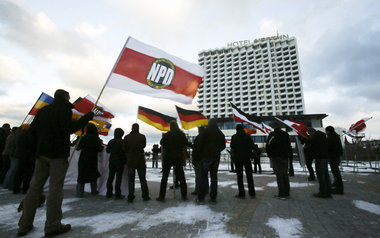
{"x": 174, "y": 145}
{"x": 279, "y": 150}
{"x": 335, "y": 151}
{"x": 207, "y": 149}
{"x": 242, "y": 146}
{"x": 50, "y": 130}
{"x": 116, "y": 163}
{"x": 318, "y": 144}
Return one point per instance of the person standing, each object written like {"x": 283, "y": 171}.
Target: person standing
{"x": 319, "y": 150}
{"x": 196, "y": 161}
{"x": 174, "y": 145}
{"x": 257, "y": 159}
{"x": 242, "y": 147}
{"x": 25, "y": 156}
{"x": 116, "y": 163}
{"x": 335, "y": 151}
{"x": 90, "y": 145}
{"x": 279, "y": 150}
{"x": 9, "y": 153}
{"x": 309, "y": 160}
{"x": 134, "y": 144}
{"x": 155, "y": 150}
{"x": 51, "y": 129}
{"x": 208, "y": 147}
{"x": 5, "y": 131}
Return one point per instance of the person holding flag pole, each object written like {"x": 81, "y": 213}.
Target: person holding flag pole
{"x": 51, "y": 130}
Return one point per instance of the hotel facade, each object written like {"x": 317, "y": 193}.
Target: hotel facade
{"x": 262, "y": 77}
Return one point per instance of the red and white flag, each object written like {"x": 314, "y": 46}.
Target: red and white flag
{"x": 146, "y": 70}
{"x": 358, "y": 126}
{"x": 298, "y": 126}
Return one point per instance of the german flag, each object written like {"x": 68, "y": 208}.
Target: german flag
{"x": 153, "y": 118}
{"x": 190, "y": 119}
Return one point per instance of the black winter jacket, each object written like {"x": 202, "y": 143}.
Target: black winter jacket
{"x": 318, "y": 145}
{"x": 90, "y": 145}
{"x": 278, "y": 144}
{"x": 209, "y": 144}
{"x": 116, "y": 151}
{"x": 334, "y": 146}
{"x": 52, "y": 126}
{"x": 242, "y": 146}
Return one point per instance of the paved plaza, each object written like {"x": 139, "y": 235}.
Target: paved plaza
{"x": 354, "y": 214}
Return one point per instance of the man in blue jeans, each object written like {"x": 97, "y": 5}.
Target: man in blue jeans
{"x": 208, "y": 147}
{"x": 319, "y": 151}
{"x": 279, "y": 150}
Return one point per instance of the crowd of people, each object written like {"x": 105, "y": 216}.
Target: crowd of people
{"x": 32, "y": 154}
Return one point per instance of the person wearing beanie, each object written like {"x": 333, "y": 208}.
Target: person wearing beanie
{"x": 116, "y": 163}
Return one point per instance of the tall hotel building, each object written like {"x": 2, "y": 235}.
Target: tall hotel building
{"x": 261, "y": 77}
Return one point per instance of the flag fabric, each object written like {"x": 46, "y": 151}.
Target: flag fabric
{"x": 358, "y": 126}
{"x": 146, "y": 70}
{"x": 155, "y": 119}
{"x": 190, "y": 119}
{"x": 298, "y": 126}
{"x": 102, "y": 119}
{"x": 42, "y": 101}
{"x": 243, "y": 117}
{"x": 267, "y": 128}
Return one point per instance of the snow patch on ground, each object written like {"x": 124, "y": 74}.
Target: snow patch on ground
{"x": 367, "y": 206}
{"x": 285, "y": 227}
{"x": 189, "y": 214}
{"x": 292, "y": 184}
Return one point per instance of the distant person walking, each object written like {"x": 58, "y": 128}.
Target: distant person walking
{"x": 10, "y": 152}
{"x": 116, "y": 163}
{"x": 174, "y": 145}
{"x": 50, "y": 129}
{"x": 207, "y": 148}
{"x": 242, "y": 147}
{"x": 335, "y": 151}
{"x": 279, "y": 150}
{"x": 134, "y": 144}
{"x": 90, "y": 145}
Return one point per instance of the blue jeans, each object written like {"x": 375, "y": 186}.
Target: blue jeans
{"x": 280, "y": 167}
{"x": 321, "y": 167}
{"x": 208, "y": 165}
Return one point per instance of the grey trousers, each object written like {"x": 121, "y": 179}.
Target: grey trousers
{"x": 55, "y": 169}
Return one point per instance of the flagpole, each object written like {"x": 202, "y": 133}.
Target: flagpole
{"x": 31, "y": 109}
{"x": 100, "y": 94}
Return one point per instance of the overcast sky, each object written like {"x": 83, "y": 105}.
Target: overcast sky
{"x": 73, "y": 45}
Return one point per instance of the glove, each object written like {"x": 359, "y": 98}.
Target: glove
{"x": 89, "y": 116}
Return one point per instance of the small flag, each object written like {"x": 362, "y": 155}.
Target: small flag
{"x": 102, "y": 118}
{"x": 190, "y": 119}
{"x": 146, "y": 70}
{"x": 299, "y": 127}
{"x": 42, "y": 101}
{"x": 358, "y": 126}
{"x": 243, "y": 117}
{"x": 155, "y": 119}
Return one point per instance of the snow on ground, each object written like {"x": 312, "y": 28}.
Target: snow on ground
{"x": 367, "y": 206}
{"x": 186, "y": 214}
{"x": 292, "y": 184}
{"x": 10, "y": 216}
{"x": 285, "y": 227}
